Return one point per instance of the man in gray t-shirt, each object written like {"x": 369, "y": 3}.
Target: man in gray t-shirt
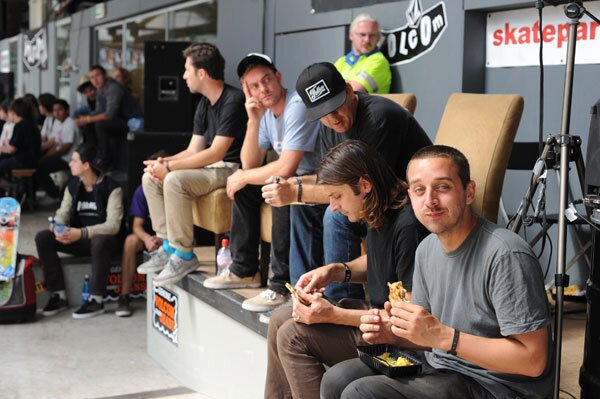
{"x": 478, "y": 308}
{"x": 276, "y": 121}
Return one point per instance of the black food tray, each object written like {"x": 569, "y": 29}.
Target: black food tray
{"x": 367, "y": 354}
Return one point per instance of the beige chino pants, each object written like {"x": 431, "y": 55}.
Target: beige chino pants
{"x": 170, "y": 202}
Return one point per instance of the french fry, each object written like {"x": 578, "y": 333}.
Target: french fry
{"x": 295, "y": 294}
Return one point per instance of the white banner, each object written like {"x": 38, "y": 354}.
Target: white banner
{"x": 513, "y": 37}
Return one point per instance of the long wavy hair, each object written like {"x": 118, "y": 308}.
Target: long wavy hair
{"x": 350, "y": 160}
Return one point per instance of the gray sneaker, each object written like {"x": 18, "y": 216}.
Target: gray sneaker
{"x": 176, "y": 269}
{"x": 158, "y": 260}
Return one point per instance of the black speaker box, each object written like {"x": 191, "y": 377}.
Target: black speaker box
{"x": 7, "y": 86}
{"x": 592, "y": 169}
{"x": 168, "y": 104}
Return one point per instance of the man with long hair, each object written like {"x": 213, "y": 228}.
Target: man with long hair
{"x": 362, "y": 186}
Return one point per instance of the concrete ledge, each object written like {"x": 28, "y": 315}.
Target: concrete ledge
{"x": 227, "y": 302}
{"x": 216, "y": 354}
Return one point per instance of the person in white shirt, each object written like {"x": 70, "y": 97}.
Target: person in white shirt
{"x": 60, "y": 143}
{"x": 7, "y": 128}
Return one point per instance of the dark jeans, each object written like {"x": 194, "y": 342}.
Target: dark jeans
{"x": 101, "y": 133}
{"x": 105, "y": 131}
{"x": 353, "y": 379}
{"x": 100, "y": 248}
{"x": 42, "y": 175}
{"x": 245, "y": 237}
{"x": 316, "y": 240}
{"x": 341, "y": 241}
{"x": 7, "y": 164}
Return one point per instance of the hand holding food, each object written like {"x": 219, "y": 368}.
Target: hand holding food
{"x": 397, "y": 292}
{"x": 295, "y": 294}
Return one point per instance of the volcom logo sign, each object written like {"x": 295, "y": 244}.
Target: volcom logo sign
{"x": 35, "y": 51}
{"x": 418, "y": 36}
{"x": 317, "y": 91}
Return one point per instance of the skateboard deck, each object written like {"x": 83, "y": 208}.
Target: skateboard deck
{"x": 10, "y": 212}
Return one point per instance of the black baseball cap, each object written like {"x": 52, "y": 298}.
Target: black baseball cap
{"x": 322, "y": 88}
{"x": 254, "y": 59}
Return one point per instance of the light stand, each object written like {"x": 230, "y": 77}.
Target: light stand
{"x": 573, "y": 11}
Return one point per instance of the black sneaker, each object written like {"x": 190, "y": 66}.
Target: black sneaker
{"x": 124, "y": 309}
{"x": 89, "y": 309}
{"x": 55, "y": 305}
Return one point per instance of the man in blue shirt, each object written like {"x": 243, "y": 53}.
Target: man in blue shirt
{"x": 276, "y": 121}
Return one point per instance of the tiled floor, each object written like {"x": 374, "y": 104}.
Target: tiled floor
{"x": 105, "y": 357}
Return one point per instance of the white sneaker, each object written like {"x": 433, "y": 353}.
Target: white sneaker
{"x": 176, "y": 269}
{"x": 265, "y": 318}
{"x": 265, "y": 301}
{"x": 158, "y": 260}
{"x": 227, "y": 280}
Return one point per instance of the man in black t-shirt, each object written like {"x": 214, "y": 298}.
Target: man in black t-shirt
{"x": 344, "y": 114}
{"x": 360, "y": 185}
{"x": 171, "y": 184}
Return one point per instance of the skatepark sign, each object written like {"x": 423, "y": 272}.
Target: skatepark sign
{"x": 35, "y": 50}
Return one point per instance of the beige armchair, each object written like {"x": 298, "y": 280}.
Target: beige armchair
{"x": 406, "y": 100}
{"x": 483, "y": 127}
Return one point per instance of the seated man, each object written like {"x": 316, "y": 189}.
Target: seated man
{"x": 363, "y": 187}
{"x": 114, "y": 108}
{"x": 478, "y": 306}
{"x": 344, "y": 114}
{"x": 59, "y": 145}
{"x": 276, "y": 120}
{"x": 92, "y": 210}
{"x": 172, "y": 183}
{"x": 88, "y": 98}
{"x": 365, "y": 67}
{"x": 23, "y": 149}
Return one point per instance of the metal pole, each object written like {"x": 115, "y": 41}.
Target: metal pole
{"x": 574, "y": 12}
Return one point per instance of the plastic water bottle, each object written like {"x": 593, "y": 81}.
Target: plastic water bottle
{"x": 85, "y": 292}
{"x": 56, "y": 226}
{"x": 223, "y": 256}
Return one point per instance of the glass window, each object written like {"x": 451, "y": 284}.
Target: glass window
{"x": 110, "y": 46}
{"x": 138, "y": 31}
{"x": 197, "y": 23}
{"x": 63, "y": 57}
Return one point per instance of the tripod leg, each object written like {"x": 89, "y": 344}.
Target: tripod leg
{"x": 538, "y": 169}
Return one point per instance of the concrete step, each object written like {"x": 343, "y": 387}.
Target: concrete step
{"x": 75, "y": 268}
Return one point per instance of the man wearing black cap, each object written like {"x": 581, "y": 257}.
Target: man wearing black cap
{"x": 277, "y": 121}
{"x": 344, "y": 114}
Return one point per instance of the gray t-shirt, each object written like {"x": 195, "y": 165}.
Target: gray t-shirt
{"x": 116, "y": 102}
{"x": 491, "y": 286}
{"x": 291, "y": 131}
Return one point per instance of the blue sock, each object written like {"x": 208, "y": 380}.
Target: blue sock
{"x": 167, "y": 247}
{"x": 184, "y": 255}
